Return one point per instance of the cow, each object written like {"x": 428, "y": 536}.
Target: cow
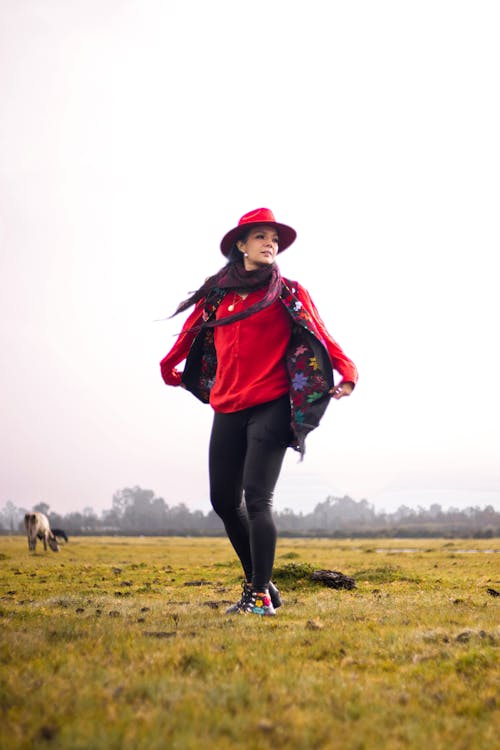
{"x": 59, "y": 534}
{"x": 37, "y": 525}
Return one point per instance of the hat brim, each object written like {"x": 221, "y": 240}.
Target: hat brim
{"x": 286, "y": 234}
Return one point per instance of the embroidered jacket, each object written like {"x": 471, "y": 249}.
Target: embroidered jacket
{"x": 310, "y": 356}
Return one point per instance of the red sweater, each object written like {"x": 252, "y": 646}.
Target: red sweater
{"x": 250, "y": 352}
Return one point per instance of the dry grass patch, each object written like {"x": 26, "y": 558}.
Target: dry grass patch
{"x": 123, "y": 643}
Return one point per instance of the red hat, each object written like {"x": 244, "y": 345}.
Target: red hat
{"x": 259, "y": 216}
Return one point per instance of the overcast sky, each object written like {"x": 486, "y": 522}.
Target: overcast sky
{"x": 135, "y": 133}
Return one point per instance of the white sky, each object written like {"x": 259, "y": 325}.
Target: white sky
{"x": 135, "y": 133}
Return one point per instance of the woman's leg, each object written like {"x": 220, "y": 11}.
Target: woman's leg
{"x": 228, "y": 445}
{"x": 268, "y": 434}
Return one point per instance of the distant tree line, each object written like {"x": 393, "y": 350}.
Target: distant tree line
{"x": 138, "y": 511}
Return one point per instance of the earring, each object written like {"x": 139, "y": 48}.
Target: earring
{"x": 246, "y": 255}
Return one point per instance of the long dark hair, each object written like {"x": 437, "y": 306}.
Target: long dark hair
{"x": 235, "y": 276}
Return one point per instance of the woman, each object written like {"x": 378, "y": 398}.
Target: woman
{"x": 258, "y": 352}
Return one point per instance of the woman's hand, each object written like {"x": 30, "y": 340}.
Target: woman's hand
{"x": 341, "y": 390}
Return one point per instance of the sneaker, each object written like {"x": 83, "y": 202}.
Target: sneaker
{"x": 235, "y": 609}
{"x": 258, "y": 603}
{"x": 275, "y": 595}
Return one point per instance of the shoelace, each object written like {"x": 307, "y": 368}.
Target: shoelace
{"x": 245, "y": 596}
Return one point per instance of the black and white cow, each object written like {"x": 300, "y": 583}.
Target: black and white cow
{"x": 37, "y": 526}
{"x": 59, "y": 534}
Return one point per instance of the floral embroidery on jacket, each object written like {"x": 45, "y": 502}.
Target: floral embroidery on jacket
{"x": 208, "y": 364}
{"x": 309, "y": 368}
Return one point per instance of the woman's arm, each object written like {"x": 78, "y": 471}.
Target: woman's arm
{"x": 340, "y": 361}
{"x": 181, "y": 348}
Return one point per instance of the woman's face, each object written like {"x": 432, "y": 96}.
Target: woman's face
{"x": 260, "y": 247}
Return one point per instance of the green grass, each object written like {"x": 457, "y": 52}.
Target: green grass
{"x": 105, "y": 645}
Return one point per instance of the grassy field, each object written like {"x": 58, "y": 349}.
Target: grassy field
{"x": 123, "y": 643}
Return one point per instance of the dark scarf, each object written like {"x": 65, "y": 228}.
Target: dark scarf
{"x": 234, "y": 276}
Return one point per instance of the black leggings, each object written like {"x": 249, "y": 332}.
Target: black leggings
{"x": 246, "y": 453}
